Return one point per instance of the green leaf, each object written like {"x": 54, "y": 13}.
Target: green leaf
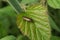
{"x": 4, "y": 25}
{"x": 11, "y": 16}
{"x": 9, "y": 38}
{"x": 21, "y": 37}
{"x": 34, "y": 23}
{"x": 28, "y": 1}
{"x": 54, "y": 3}
{"x": 55, "y": 38}
{"x": 15, "y": 4}
{"x": 53, "y": 25}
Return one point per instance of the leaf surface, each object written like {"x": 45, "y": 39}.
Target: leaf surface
{"x": 54, "y": 3}
{"x": 34, "y": 23}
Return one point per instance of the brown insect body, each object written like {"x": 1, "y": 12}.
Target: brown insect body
{"x": 27, "y": 19}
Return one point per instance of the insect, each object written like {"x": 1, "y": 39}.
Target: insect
{"x": 27, "y": 19}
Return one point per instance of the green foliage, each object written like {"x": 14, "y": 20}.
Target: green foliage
{"x": 32, "y": 20}
{"x": 14, "y": 30}
{"x": 55, "y": 38}
{"x": 34, "y": 24}
{"x": 21, "y": 37}
{"x": 9, "y": 38}
{"x": 54, "y": 20}
{"x": 29, "y": 1}
{"x": 54, "y": 3}
{"x": 4, "y": 25}
{"x": 15, "y": 4}
{"x": 38, "y": 27}
{"x": 12, "y": 19}
{"x": 53, "y": 25}
{"x": 8, "y": 22}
